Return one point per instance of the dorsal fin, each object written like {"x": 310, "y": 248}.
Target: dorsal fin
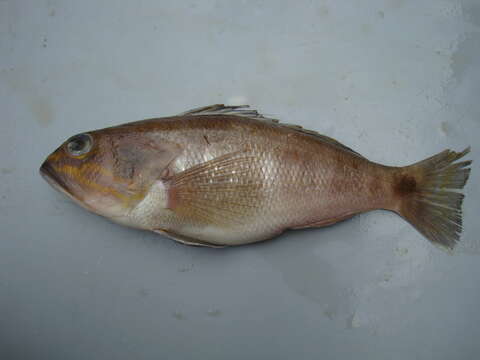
{"x": 221, "y": 109}
{"x": 245, "y": 111}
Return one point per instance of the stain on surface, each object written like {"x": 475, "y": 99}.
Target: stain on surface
{"x": 401, "y": 251}
{"x": 471, "y": 11}
{"x": 366, "y": 29}
{"x": 381, "y": 14}
{"x": 329, "y": 314}
{"x": 185, "y": 268}
{"x": 353, "y": 321}
{"x": 387, "y": 277}
{"x": 6, "y": 171}
{"x": 397, "y": 4}
{"x": 42, "y": 109}
{"x": 39, "y": 104}
{"x": 310, "y": 276}
{"x": 466, "y": 56}
{"x": 445, "y": 128}
{"x": 323, "y": 11}
{"x": 143, "y": 293}
{"x": 178, "y": 315}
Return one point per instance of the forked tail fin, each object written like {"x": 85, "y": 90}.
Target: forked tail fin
{"x": 426, "y": 197}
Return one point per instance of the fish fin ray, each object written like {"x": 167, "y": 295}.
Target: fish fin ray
{"x": 186, "y": 240}
{"x": 247, "y": 112}
{"x": 427, "y": 200}
{"x": 223, "y": 191}
{"x": 325, "y": 222}
{"x": 221, "y": 109}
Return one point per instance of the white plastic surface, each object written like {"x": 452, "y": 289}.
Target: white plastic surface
{"x": 396, "y": 80}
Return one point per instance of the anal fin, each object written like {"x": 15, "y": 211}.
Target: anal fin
{"x": 326, "y": 222}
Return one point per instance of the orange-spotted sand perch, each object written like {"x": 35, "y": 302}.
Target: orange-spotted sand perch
{"x": 226, "y": 175}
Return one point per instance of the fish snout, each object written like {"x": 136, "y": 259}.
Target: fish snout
{"x": 52, "y": 177}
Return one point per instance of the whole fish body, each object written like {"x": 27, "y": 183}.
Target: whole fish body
{"x": 226, "y": 175}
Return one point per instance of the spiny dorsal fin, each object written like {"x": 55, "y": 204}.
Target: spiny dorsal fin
{"x": 221, "y": 109}
{"x": 245, "y": 111}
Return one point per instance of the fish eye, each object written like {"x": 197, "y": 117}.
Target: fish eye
{"x": 79, "y": 144}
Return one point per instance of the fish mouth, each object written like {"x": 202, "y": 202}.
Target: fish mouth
{"x": 51, "y": 177}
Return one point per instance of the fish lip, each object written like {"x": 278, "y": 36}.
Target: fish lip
{"x": 52, "y": 178}
{"x": 50, "y": 175}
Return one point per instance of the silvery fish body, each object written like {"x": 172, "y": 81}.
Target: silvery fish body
{"x": 226, "y": 175}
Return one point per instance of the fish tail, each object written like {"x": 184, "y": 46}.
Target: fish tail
{"x": 425, "y": 197}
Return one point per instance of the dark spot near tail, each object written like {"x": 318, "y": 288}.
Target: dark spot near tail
{"x": 405, "y": 185}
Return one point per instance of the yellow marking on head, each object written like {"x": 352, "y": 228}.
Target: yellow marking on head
{"x": 103, "y": 171}
{"x": 78, "y": 174}
{"x": 55, "y": 156}
{"x": 79, "y": 157}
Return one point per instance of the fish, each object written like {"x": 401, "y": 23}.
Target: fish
{"x": 227, "y": 175}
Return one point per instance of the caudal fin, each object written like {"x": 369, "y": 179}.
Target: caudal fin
{"x": 426, "y": 197}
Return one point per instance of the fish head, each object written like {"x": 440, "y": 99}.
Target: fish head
{"x": 107, "y": 171}
{"x": 82, "y": 169}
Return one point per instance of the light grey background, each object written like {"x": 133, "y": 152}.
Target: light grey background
{"x": 397, "y": 80}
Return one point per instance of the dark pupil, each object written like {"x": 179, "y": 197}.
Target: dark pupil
{"x": 77, "y": 144}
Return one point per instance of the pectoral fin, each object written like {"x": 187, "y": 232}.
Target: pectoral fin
{"x": 222, "y": 192}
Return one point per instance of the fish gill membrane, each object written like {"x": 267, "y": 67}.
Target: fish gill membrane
{"x": 429, "y": 199}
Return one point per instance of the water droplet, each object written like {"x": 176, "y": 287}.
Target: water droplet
{"x": 353, "y": 321}
{"x": 214, "y": 313}
{"x": 401, "y": 251}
